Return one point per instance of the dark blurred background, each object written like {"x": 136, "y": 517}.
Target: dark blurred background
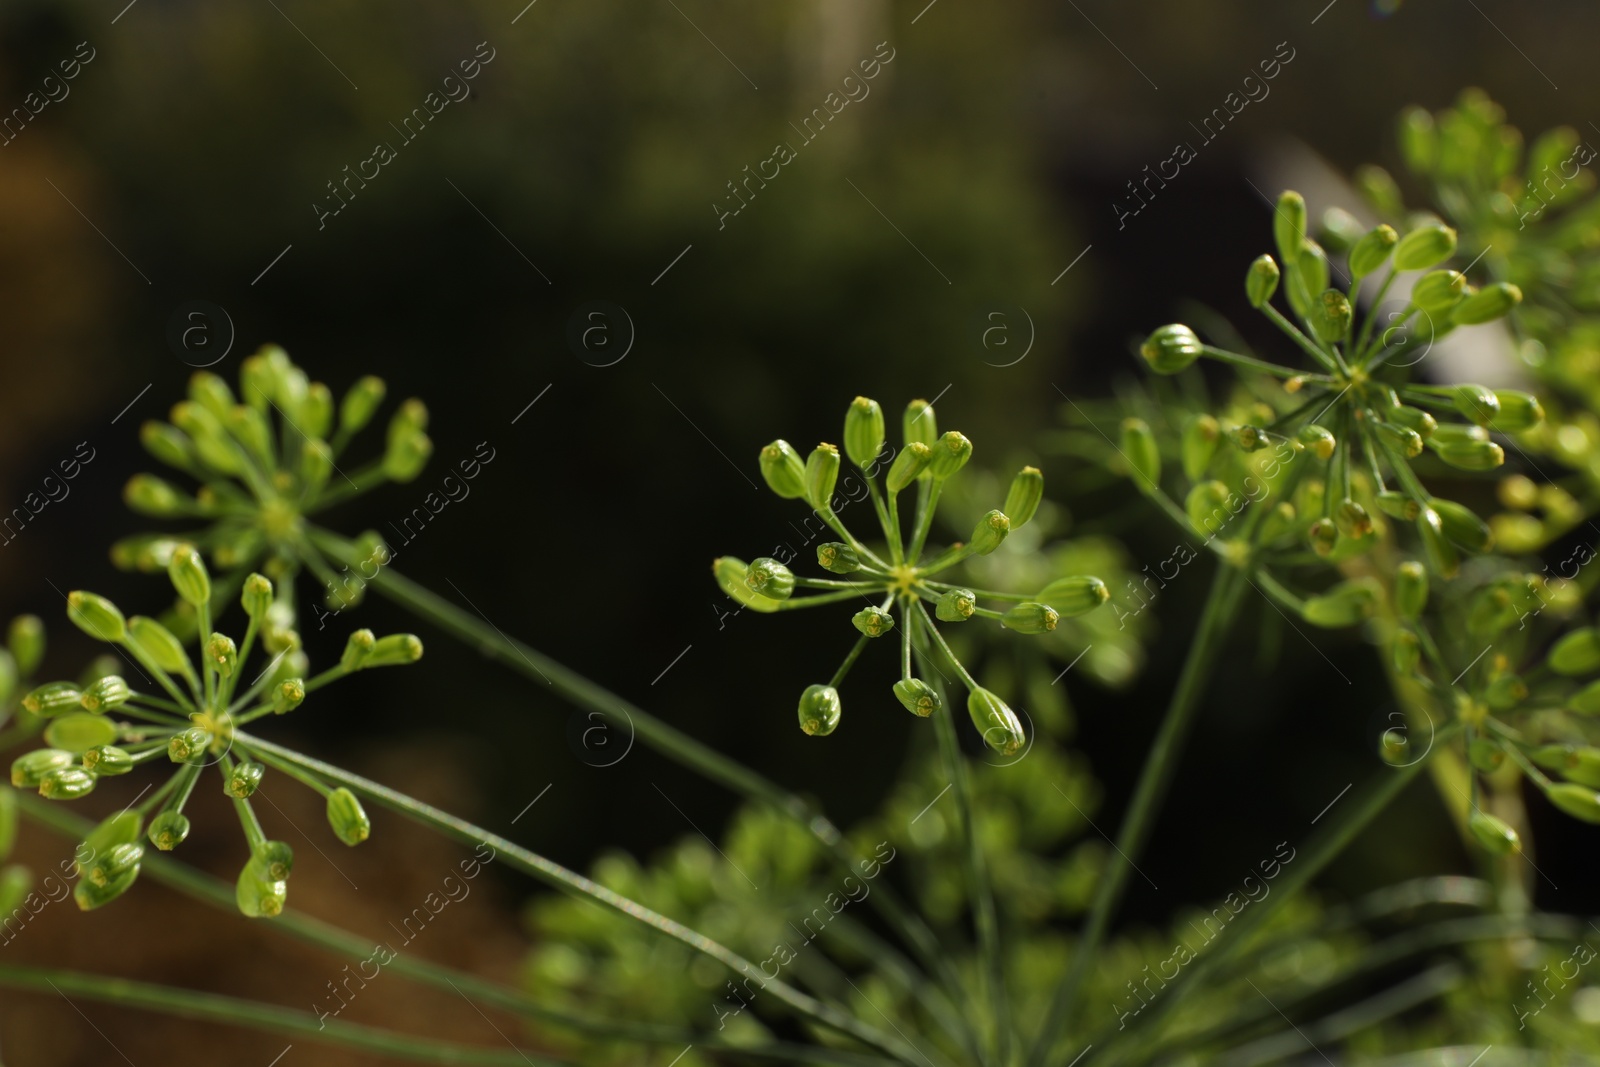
{"x": 588, "y": 170}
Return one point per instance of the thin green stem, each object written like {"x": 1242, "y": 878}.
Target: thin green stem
{"x": 1360, "y": 349}
{"x": 938, "y": 638}
{"x": 890, "y": 532}
{"x": 797, "y": 603}
{"x": 1250, "y": 362}
{"x": 849, "y": 660}
{"x": 927, "y": 504}
{"x": 1324, "y": 360}
{"x": 368, "y": 477}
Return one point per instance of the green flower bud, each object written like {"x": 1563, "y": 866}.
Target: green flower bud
{"x": 357, "y": 648}
{"x": 107, "y": 761}
{"x": 274, "y": 860}
{"x": 990, "y": 531}
{"x": 1585, "y": 701}
{"x": 729, "y": 572}
{"x": 1405, "y": 652}
{"x": 1022, "y": 499}
{"x": 1031, "y": 618}
{"x": 1415, "y": 419}
{"x": 998, "y": 724}
{"x": 874, "y": 622}
{"x": 28, "y": 770}
{"x": 8, "y": 825}
{"x": 1442, "y": 555}
{"x": 168, "y": 830}
{"x": 1289, "y": 224}
{"x": 189, "y": 746}
{"x": 1075, "y": 595}
{"x": 1279, "y": 521}
{"x": 1139, "y": 448}
{"x": 1485, "y": 755}
{"x": 783, "y": 470}
{"x": 822, "y": 474}
{"x": 1419, "y": 140}
{"x": 1261, "y": 281}
{"x": 108, "y": 877}
{"x": 53, "y": 698}
{"x": 411, "y": 417}
{"x": 918, "y": 424}
{"x": 211, "y": 392}
{"x": 258, "y": 378}
{"x": 1309, "y": 278}
{"x": 1487, "y": 304}
{"x": 1332, "y": 317}
{"x": 361, "y": 403}
{"x": 406, "y": 455}
{"x": 120, "y": 829}
{"x": 250, "y": 428}
{"x": 215, "y": 448}
{"x": 769, "y": 578}
{"x": 256, "y": 597}
{"x": 1576, "y": 653}
{"x": 16, "y": 885}
{"x": 836, "y": 557}
{"x": 66, "y": 783}
{"x": 79, "y": 731}
{"x": 1423, "y": 247}
{"x": 223, "y": 654}
{"x": 1205, "y": 507}
{"x": 1200, "y": 436}
{"x": 259, "y": 897}
{"x": 1462, "y": 525}
{"x": 863, "y": 431}
{"x": 1439, "y": 291}
{"x": 1579, "y": 801}
{"x": 1340, "y": 230}
{"x": 157, "y": 643}
{"x": 1477, "y": 403}
{"x": 244, "y": 780}
{"x": 908, "y": 465}
{"x": 1171, "y": 348}
{"x": 1457, "y": 433}
{"x": 316, "y": 465}
{"x": 1344, "y": 605}
{"x": 1352, "y": 519}
{"x": 347, "y": 817}
{"x": 1472, "y": 455}
{"x": 167, "y": 443}
{"x": 287, "y": 695}
{"x": 316, "y": 411}
{"x": 1370, "y": 252}
{"x": 188, "y": 573}
{"x": 25, "y": 638}
{"x": 950, "y": 454}
{"x": 1493, "y": 834}
{"x": 956, "y": 605}
{"x": 1577, "y": 763}
{"x": 149, "y": 495}
{"x": 917, "y": 697}
{"x": 1519, "y": 411}
{"x": 96, "y": 616}
{"x": 1318, "y": 439}
{"x": 1505, "y": 692}
{"x": 1410, "y": 589}
{"x": 1251, "y": 439}
{"x": 1406, "y": 441}
{"x": 819, "y": 710}
{"x": 394, "y": 650}
{"x": 8, "y": 677}
{"x": 1394, "y": 748}
{"x": 1398, "y": 505}
{"x": 1377, "y": 186}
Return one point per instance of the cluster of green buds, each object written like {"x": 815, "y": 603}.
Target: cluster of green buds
{"x": 1355, "y": 413}
{"x": 193, "y": 719}
{"x": 265, "y": 460}
{"x": 894, "y": 580}
{"x": 20, "y": 657}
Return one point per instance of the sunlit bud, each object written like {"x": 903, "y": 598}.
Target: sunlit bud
{"x": 1022, "y": 499}
{"x": 1369, "y": 253}
{"x": 1412, "y": 418}
{"x": 1459, "y": 433}
{"x": 863, "y": 431}
{"x": 783, "y": 470}
{"x": 917, "y": 697}
{"x": 287, "y": 695}
{"x": 1031, "y": 618}
{"x": 258, "y": 378}
{"x": 1251, "y": 438}
{"x": 956, "y": 605}
{"x": 275, "y": 859}
{"x": 53, "y": 698}
{"x": 347, "y": 817}
{"x": 1397, "y": 505}
{"x": 1322, "y": 536}
{"x": 1410, "y": 589}
{"x": 357, "y": 647}
{"x": 918, "y": 423}
{"x": 822, "y": 474}
{"x": 250, "y": 427}
{"x": 79, "y": 731}
{"x": 27, "y": 770}
{"x": 836, "y": 557}
{"x": 8, "y": 826}
{"x": 1352, "y": 519}
{"x": 1505, "y": 692}
{"x": 1585, "y": 701}
{"x": 1332, "y": 316}
{"x": 1309, "y": 278}
{"x": 107, "y": 761}
{"x": 1462, "y": 525}
{"x": 1493, "y": 834}
{"x": 990, "y": 531}
{"x": 1419, "y": 139}
{"x": 188, "y": 746}
{"x": 1423, "y": 247}
{"x": 1378, "y": 187}
{"x": 1472, "y": 455}
{"x": 361, "y": 403}
{"x": 108, "y": 876}
{"x": 1576, "y": 653}
{"x": 188, "y": 573}
{"x": 1439, "y": 290}
{"x": 873, "y": 621}
{"x": 911, "y": 462}
{"x": 244, "y": 780}
{"x": 1171, "y": 348}
{"x": 66, "y": 783}
{"x": 120, "y": 829}
{"x": 1261, "y": 281}
{"x": 1344, "y": 605}
{"x": 819, "y": 710}
{"x": 394, "y": 650}
{"x": 950, "y": 454}
{"x": 1485, "y": 755}
{"x": 1518, "y": 411}
{"x": 1318, "y": 439}
{"x": 1340, "y": 230}
{"x": 16, "y": 886}
{"x": 316, "y": 411}
{"x": 1477, "y": 403}
{"x": 1139, "y": 448}
{"x": 157, "y": 643}
{"x": 167, "y": 443}
{"x": 149, "y": 495}
{"x": 25, "y": 638}
{"x": 406, "y": 455}
{"x": 1406, "y": 441}
{"x": 1579, "y": 801}
{"x": 1205, "y": 507}
{"x": 222, "y": 654}
{"x": 411, "y": 417}
{"x": 729, "y": 573}
{"x": 168, "y": 830}
{"x": 1405, "y": 652}
{"x": 316, "y": 464}
{"x": 1442, "y": 555}
{"x": 1487, "y": 304}
{"x": 1075, "y": 595}
{"x": 999, "y": 725}
{"x": 257, "y": 896}
{"x": 1289, "y": 224}
{"x": 256, "y": 597}
{"x": 1200, "y": 436}
{"x": 769, "y": 578}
